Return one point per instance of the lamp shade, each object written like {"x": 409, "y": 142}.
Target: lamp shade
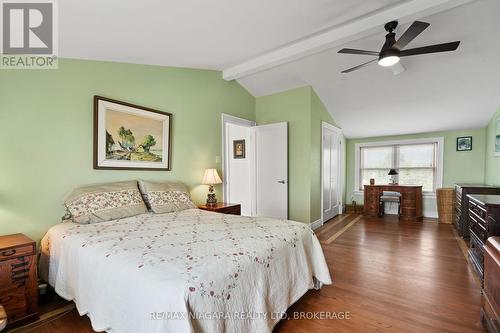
{"x": 392, "y": 172}
{"x": 211, "y": 177}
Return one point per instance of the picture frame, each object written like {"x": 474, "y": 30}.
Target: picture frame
{"x": 131, "y": 137}
{"x": 238, "y": 149}
{"x": 464, "y": 143}
{"x": 497, "y": 137}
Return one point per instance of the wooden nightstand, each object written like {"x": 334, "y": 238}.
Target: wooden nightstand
{"x": 224, "y": 208}
{"x": 18, "y": 279}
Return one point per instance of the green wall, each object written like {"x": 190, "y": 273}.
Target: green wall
{"x": 492, "y": 167}
{"x": 304, "y": 112}
{"x": 293, "y": 107}
{"x": 46, "y": 131}
{"x": 458, "y": 167}
{"x": 320, "y": 114}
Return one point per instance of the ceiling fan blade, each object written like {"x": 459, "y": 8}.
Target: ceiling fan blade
{"x": 359, "y": 66}
{"x": 445, "y": 47}
{"x": 411, "y": 33}
{"x": 355, "y": 51}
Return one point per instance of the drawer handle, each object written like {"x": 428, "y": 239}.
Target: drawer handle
{"x": 8, "y": 253}
{"x": 19, "y": 278}
{"x": 23, "y": 264}
{"x": 20, "y": 271}
{"x": 6, "y": 300}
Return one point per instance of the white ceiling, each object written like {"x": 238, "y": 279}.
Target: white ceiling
{"x": 210, "y": 34}
{"x": 436, "y": 92}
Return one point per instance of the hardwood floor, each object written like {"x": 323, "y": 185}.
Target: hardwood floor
{"x": 392, "y": 276}
{"x": 389, "y": 276}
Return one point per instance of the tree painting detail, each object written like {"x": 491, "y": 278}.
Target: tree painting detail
{"x": 132, "y": 137}
{"x": 148, "y": 142}
{"x": 126, "y": 148}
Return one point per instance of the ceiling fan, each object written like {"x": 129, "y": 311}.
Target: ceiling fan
{"x": 393, "y": 50}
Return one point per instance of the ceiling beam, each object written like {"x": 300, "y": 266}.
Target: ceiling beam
{"x": 340, "y": 34}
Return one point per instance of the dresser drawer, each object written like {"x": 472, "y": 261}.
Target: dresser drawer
{"x": 15, "y": 271}
{"x": 14, "y": 302}
{"x": 18, "y": 279}
{"x": 474, "y": 218}
{"x": 478, "y": 210}
{"x": 479, "y": 231}
{"x": 476, "y": 253}
{"x": 25, "y": 250}
{"x": 230, "y": 210}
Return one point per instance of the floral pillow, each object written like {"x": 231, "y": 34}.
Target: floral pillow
{"x": 166, "y": 197}
{"x": 105, "y": 202}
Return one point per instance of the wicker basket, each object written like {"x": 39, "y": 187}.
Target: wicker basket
{"x": 445, "y": 203}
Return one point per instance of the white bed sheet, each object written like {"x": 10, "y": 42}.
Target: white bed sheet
{"x": 189, "y": 271}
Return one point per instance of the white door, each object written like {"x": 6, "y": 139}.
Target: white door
{"x": 238, "y": 170}
{"x": 237, "y": 173}
{"x": 331, "y": 187}
{"x": 271, "y": 170}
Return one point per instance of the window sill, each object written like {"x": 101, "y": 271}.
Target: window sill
{"x": 431, "y": 195}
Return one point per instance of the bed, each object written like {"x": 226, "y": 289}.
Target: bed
{"x": 185, "y": 271}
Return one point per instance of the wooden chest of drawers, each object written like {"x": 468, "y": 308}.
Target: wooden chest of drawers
{"x": 18, "y": 279}
{"x": 461, "y": 220}
{"x": 484, "y": 222}
{"x": 490, "y": 312}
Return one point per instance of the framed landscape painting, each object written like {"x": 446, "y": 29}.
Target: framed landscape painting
{"x": 497, "y": 137}
{"x": 131, "y": 137}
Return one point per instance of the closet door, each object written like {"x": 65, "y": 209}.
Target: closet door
{"x": 331, "y": 186}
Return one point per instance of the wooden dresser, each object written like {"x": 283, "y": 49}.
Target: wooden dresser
{"x": 490, "y": 312}
{"x": 484, "y": 222}
{"x": 462, "y": 204}
{"x": 411, "y": 200}
{"x": 18, "y": 279}
{"x": 224, "y": 208}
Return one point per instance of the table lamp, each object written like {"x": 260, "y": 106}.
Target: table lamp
{"x": 210, "y": 178}
{"x": 392, "y": 179}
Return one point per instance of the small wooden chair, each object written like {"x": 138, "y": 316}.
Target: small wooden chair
{"x": 389, "y": 196}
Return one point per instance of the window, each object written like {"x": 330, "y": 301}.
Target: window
{"x": 418, "y": 162}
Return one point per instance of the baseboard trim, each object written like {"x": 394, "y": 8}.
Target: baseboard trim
{"x": 430, "y": 213}
{"x": 316, "y": 224}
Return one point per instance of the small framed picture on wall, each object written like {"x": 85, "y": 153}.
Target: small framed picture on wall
{"x": 464, "y": 143}
{"x": 239, "y": 149}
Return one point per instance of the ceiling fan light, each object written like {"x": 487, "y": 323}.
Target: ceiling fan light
{"x": 388, "y": 61}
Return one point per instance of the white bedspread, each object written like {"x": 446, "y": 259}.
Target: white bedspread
{"x": 190, "y": 271}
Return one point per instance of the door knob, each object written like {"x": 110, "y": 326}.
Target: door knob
{"x": 282, "y": 181}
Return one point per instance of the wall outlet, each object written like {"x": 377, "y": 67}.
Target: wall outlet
{"x": 217, "y": 159}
